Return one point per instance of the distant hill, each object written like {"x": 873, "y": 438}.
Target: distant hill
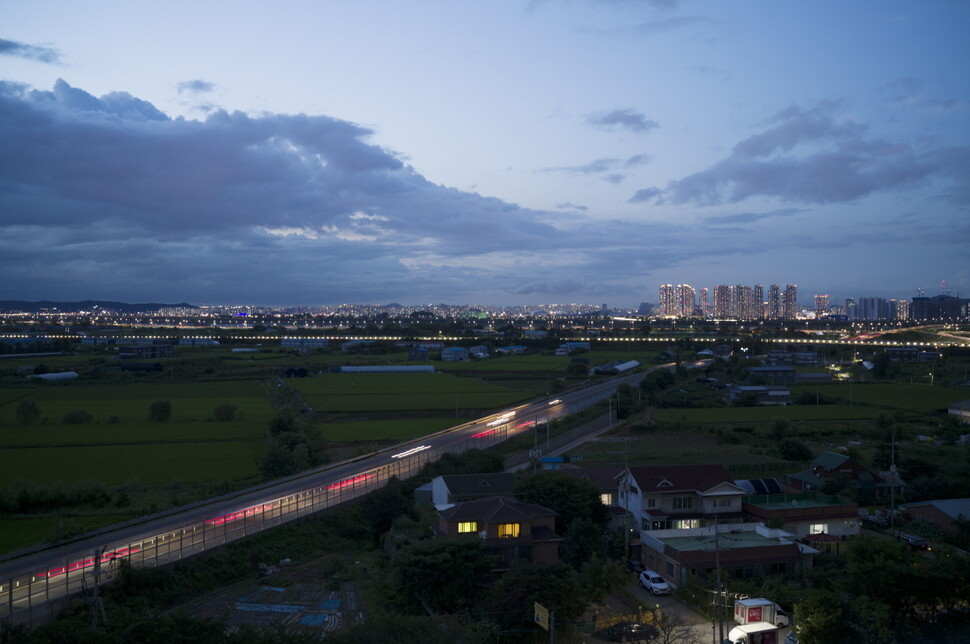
{"x": 13, "y": 306}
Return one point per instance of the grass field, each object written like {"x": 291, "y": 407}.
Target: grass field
{"x": 397, "y": 430}
{"x": 24, "y": 532}
{"x": 153, "y": 464}
{"x": 764, "y": 414}
{"x": 129, "y": 401}
{"x": 328, "y": 393}
{"x": 897, "y": 395}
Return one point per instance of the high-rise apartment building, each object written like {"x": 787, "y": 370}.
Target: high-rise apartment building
{"x": 821, "y": 305}
{"x": 723, "y": 302}
{"x": 705, "y": 303}
{"x": 789, "y": 302}
{"x": 686, "y": 301}
{"x": 850, "y": 308}
{"x": 758, "y": 301}
{"x": 665, "y": 300}
{"x": 774, "y": 302}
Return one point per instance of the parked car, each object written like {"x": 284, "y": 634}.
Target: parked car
{"x": 914, "y": 542}
{"x": 635, "y": 566}
{"x": 654, "y": 583}
{"x": 631, "y": 632}
{"x": 876, "y": 522}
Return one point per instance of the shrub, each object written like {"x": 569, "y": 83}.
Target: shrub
{"x": 27, "y": 412}
{"x": 160, "y": 411}
{"x": 77, "y": 417}
{"x": 225, "y": 412}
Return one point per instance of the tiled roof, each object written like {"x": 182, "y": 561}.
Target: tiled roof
{"x": 496, "y": 509}
{"x": 678, "y": 478}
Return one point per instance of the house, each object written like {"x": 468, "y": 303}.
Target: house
{"x": 604, "y": 478}
{"x": 850, "y": 473}
{"x": 418, "y": 354}
{"x": 943, "y": 513}
{"x": 304, "y": 343}
{"x": 805, "y": 514}
{"x": 509, "y": 529}
{"x": 511, "y": 350}
{"x": 449, "y": 489}
{"x": 961, "y": 410}
{"x": 743, "y": 551}
{"x": 761, "y": 394}
{"x": 774, "y": 375}
{"x": 661, "y": 497}
{"x": 146, "y": 351}
{"x": 455, "y": 354}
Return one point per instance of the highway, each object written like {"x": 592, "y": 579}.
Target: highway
{"x": 34, "y": 583}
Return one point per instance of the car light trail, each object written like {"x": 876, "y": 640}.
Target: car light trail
{"x": 107, "y": 557}
{"x": 504, "y": 418}
{"x": 241, "y": 514}
{"x": 412, "y": 451}
{"x": 360, "y": 478}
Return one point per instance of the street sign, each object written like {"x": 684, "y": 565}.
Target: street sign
{"x": 542, "y": 615}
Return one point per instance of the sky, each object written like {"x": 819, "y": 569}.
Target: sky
{"x": 306, "y": 153}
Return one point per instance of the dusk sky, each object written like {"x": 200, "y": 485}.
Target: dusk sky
{"x": 500, "y": 152}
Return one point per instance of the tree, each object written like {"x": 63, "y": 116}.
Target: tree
{"x": 556, "y": 586}
{"x": 440, "y": 575}
{"x": 583, "y": 541}
{"x": 77, "y": 417}
{"x": 778, "y": 429}
{"x": 794, "y": 451}
{"x": 160, "y": 411}
{"x": 674, "y": 629}
{"x": 570, "y": 497}
{"x": 225, "y": 412}
{"x": 27, "y": 412}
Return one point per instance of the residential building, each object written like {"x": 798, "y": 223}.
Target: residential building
{"x": 949, "y": 515}
{"x": 805, "y": 514}
{"x": 449, "y": 489}
{"x": 849, "y": 473}
{"x": 789, "y": 302}
{"x": 742, "y": 550}
{"x": 660, "y": 497}
{"x": 509, "y": 529}
{"x": 939, "y": 307}
{"x": 774, "y": 302}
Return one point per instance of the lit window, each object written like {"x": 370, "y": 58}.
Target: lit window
{"x": 817, "y": 528}
{"x": 467, "y": 526}
{"x": 686, "y": 524}
{"x": 606, "y": 499}
{"x": 508, "y": 530}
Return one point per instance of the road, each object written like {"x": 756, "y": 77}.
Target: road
{"x": 33, "y": 582}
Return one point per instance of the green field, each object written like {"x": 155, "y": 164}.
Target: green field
{"x": 386, "y": 430}
{"x": 129, "y": 401}
{"x": 28, "y": 531}
{"x": 362, "y": 392}
{"x": 154, "y": 464}
{"x": 764, "y": 414}
{"x": 898, "y": 395}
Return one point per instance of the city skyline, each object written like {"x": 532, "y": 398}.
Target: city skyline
{"x": 546, "y": 151}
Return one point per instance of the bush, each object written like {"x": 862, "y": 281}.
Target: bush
{"x": 160, "y": 411}
{"x": 225, "y": 412}
{"x": 27, "y": 412}
{"x": 77, "y": 417}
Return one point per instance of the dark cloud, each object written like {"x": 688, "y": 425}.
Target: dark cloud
{"x": 625, "y": 118}
{"x": 195, "y": 87}
{"x": 809, "y": 156}
{"x": 108, "y": 196}
{"x": 31, "y": 52}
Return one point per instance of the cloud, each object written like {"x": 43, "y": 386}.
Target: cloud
{"x": 625, "y": 119}
{"x": 647, "y": 194}
{"x": 195, "y": 87}
{"x": 108, "y": 196}
{"x": 571, "y": 206}
{"x": 30, "y": 52}
{"x": 605, "y": 167}
{"x": 811, "y": 156}
{"x": 750, "y": 217}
